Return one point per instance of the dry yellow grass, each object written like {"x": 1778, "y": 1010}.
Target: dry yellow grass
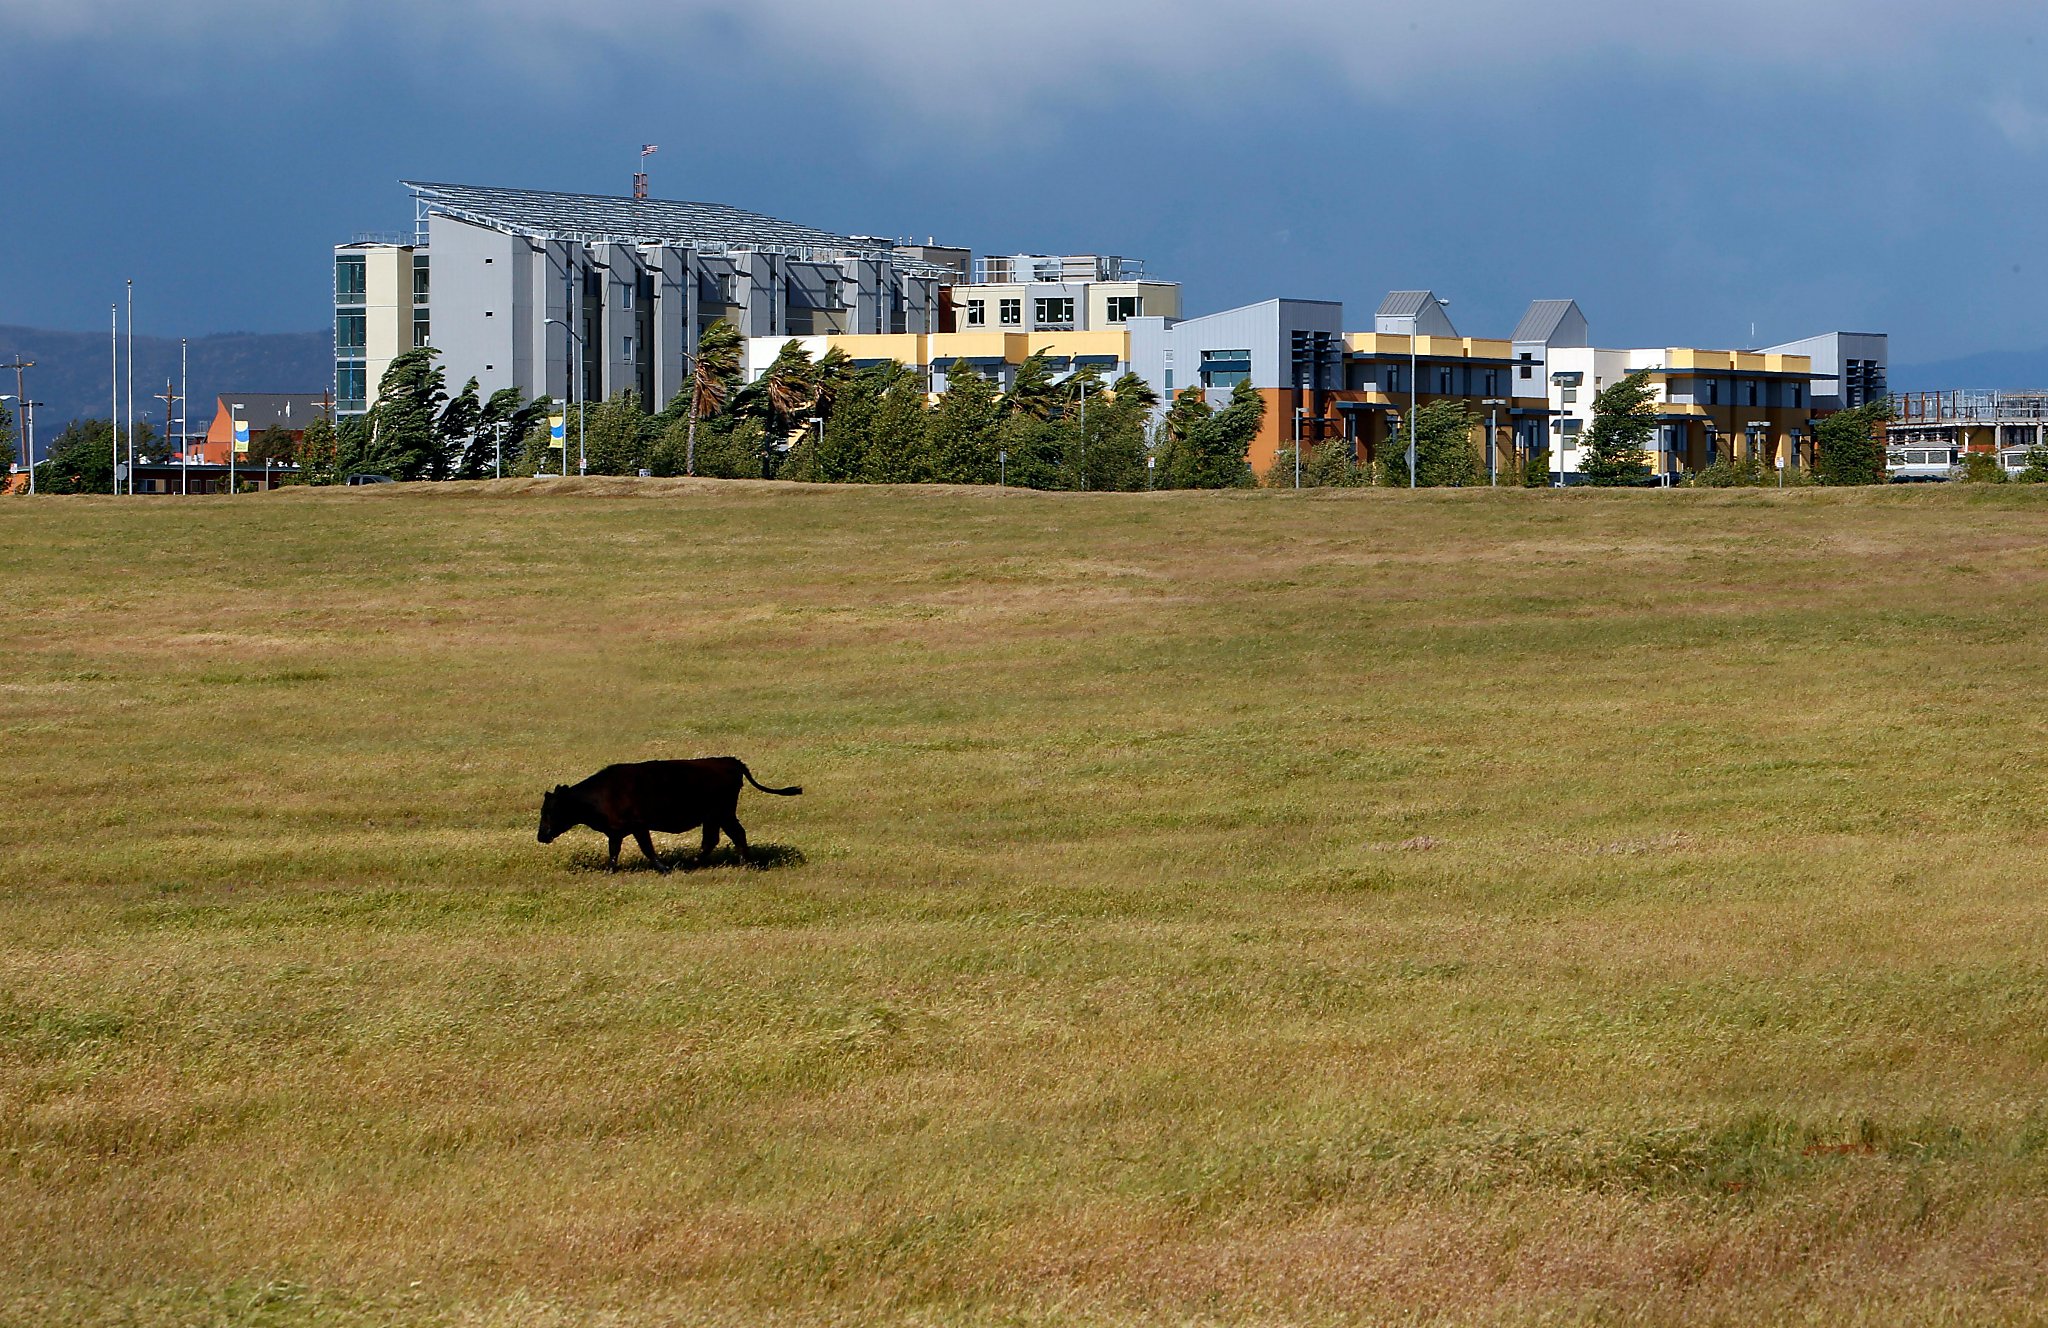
{"x": 1482, "y": 907}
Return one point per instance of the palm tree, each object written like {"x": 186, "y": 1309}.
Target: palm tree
{"x": 831, "y": 376}
{"x": 1032, "y": 391}
{"x": 790, "y": 386}
{"x": 718, "y": 363}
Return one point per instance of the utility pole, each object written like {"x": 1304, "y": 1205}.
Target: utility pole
{"x": 21, "y": 366}
{"x": 184, "y": 457}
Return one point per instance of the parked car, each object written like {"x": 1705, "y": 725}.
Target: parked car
{"x": 354, "y": 480}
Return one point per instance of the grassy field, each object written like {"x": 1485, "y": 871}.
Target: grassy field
{"x": 1477, "y": 907}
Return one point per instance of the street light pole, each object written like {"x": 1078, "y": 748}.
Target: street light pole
{"x": 1493, "y": 405}
{"x": 1297, "y": 447}
{"x": 184, "y": 423}
{"x": 114, "y": 407}
{"x": 1415, "y": 382}
{"x": 582, "y": 460}
{"x": 131, "y": 386}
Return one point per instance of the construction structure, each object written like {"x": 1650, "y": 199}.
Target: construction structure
{"x": 581, "y": 296}
{"x": 1931, "y": 432}
{"x": 1033, "y": 293}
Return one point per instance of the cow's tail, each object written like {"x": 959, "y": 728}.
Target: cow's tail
{"x": 789, "y": 792}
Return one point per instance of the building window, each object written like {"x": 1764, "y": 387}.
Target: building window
{"x": 351, "y": 279}
{"x": 625, "y": 297}
{"x": 1568, "y": 395}
{"x": 977, "y": 313}
{"x": 1570, "y": 430}
{"x": 1169, "y": 382}
{"x": 1123, "y": 308}
{"x": 1528, "y": 366}
{"x": 350, "y": 387}
{"x": 1798, "y": 394}
{"x": 1750, "y": 390}
{"x": 419, "y": 332}
{"x": 1226, "y": 368}
{"x": 1493, "y": 382}
{"x": 1713, "y": 392}
{"x": 1011, "y": 312}
{"x": 351, "y": 333}
{"x": 1053, "y": 311}
{"x": 419, "y": 279}
{"x": 1443, "y": 382}
{"x": 626, "y": 349}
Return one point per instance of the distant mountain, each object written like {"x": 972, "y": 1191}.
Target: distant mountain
{"x": 2005, "y": 370}
{"x": 72, "y": 372}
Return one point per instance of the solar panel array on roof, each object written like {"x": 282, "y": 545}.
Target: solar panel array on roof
{"x": 604, "y": 219}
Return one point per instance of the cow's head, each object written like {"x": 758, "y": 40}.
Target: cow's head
{"x": 555, "y": 816}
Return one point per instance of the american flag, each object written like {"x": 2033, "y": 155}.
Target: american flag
{"x": 649, "y": 149}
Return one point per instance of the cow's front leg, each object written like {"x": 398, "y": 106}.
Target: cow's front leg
{"x": 612, "y": 863}
{"x": 646, "y": 843}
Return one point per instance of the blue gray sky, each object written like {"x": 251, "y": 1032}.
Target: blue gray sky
{"x": 1685, "y": 172}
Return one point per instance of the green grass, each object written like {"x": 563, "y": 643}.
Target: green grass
{"x": 1250, "y": 908}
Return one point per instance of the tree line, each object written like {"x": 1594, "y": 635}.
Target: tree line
{"x": 828, "y": 420}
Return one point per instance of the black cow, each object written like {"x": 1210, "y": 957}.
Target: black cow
{"x": 669, "y": 796}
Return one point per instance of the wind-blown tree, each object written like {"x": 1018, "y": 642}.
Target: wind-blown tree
{"x": 615, "y": 438}
{"x": 717, "y": 369}
{"x": 274, "y": 447}
{"x": 405, "y": 437}
{"x": 1111, "y": 451}
{"x": 456, "y": 431}
{"x": 787, "y": 390}
{"x": 899, "y": 434}
{"x": 1176, "y": 441}
{"x": 1332, "y": 464}
{"x": 963, "y": 427}
{"x": 81, "y": 459}
{"x": 1033, "y": 391}
{"x": 501, "y": 425}
{"x": 1616, "y": 449}
{"x": 317, "y": 454}
{"x": 832, "y": 374}
{"x": 1444, "y": 455}
{"x": 530, "y": 450}
{"x": 1849, "y": 445}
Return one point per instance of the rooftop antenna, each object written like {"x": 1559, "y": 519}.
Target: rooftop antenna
{"x": 640, "y": 176}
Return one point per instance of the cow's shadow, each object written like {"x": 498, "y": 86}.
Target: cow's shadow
{"x": 767, "y": 857}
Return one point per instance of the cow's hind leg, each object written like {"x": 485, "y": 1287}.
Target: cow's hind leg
{"x": 739, "y": 839}
{"x": 612, "y": 863}
{"x": 710, "y": 842}
{"x": 646, "y": 843}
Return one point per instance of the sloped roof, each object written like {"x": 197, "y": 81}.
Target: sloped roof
{"x": 608, "y": 219}
{"x": 1404, "y": 303}
{"x": 1540, "y": 322}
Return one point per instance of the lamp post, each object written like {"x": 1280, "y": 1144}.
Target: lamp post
{"x": 582, "y": 460}
{"x": 1493, "y": 405}
{"x": 131, "y": 386}
{"x": 1415, "y": 382}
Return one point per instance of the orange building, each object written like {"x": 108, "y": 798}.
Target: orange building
{"x": 252, "y": 414}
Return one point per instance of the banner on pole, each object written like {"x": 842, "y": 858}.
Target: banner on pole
{"x": 241, "y": 437}
{"x": 557, "y": 430}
